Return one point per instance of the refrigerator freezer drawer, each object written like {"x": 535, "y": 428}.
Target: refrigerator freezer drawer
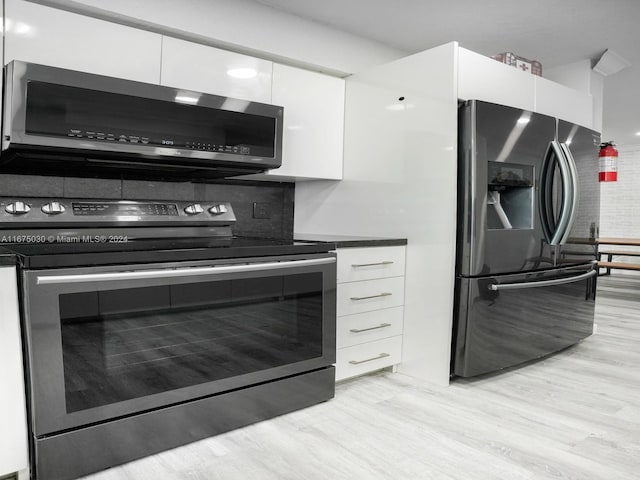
{"x": 506, "y": 320}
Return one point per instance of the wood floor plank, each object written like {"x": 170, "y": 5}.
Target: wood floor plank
{"x": 574, "y": 415}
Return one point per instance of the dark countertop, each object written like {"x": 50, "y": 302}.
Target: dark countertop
{"x": 60, "y": 255}
{"x": 7, "y": 259}
{"x": 350, "y": 241}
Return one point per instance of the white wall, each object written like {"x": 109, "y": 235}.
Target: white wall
{"x": 244, "y": 26}
{"x": 400, "y": 181}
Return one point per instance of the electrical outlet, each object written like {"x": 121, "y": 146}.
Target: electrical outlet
{"x": 261, "y": 210}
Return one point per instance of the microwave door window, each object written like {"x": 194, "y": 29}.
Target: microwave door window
{"x": 63, "y": 111}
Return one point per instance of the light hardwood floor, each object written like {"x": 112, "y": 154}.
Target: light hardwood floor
{"x": 574, "y": 415}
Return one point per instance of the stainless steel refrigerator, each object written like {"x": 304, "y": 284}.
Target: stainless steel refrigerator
{"x": 528, "y": 211}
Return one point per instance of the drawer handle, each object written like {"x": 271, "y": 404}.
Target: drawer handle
{"x": 358, "y": 362}
{"x": 383, "y": 294}
{"x": 358, "y": 265}
{"x": 360, "y": 330}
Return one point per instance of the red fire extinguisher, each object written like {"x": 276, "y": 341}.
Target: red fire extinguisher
{"x": 608, "y": 159}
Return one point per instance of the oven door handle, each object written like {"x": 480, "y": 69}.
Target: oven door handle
{"x": 178, "y": 272}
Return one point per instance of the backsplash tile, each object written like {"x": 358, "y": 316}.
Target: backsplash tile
{"x": 31, "y": 186}
{"x": 277, "y": 197}
{"x": 152, "y": 190}
{"x": 274, "y": 197}
{"x": 92, "y": 188}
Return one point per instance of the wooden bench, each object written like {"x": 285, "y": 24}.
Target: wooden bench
{"x": 618, "y": 265}
{"x": 612, "y": 243}
{"x": 609, "y": 264}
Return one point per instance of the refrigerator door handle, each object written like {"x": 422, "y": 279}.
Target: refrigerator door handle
{"x": 573, "y": 170}
{"x": 567, "y": 192}
{"x": 542, "y": 283}
{"x": 545, "y": 191}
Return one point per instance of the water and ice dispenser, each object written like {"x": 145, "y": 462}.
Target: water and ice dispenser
{"x": 510, "y": 194}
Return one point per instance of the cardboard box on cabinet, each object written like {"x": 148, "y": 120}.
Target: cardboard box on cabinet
{"x": 508, "y": 58}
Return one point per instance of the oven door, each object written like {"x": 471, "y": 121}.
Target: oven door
{"x": 109, "y": 342}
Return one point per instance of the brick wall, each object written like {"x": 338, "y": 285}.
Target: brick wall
{"x": 620, "y": 201}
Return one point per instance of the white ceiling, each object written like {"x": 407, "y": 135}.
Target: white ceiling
{"x": 555, "y": 32}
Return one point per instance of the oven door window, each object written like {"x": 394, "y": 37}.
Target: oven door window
{"x": 125, "y": 343}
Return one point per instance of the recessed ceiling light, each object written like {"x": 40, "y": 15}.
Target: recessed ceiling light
{"x": 638, "y": 133}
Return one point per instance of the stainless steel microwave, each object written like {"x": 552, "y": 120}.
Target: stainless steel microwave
{"x": 63, "y": 122}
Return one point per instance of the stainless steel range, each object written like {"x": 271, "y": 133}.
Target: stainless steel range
{"x": 148, "y": 325}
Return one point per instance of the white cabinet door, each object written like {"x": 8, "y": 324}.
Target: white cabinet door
{"x": 483, "y": 78}
{"x": 210, "y": 70}
{"x": 39, "y": 34}
{"x": 13, "y": 419}
{"x": 563, "y": 102}
{"x": 313, "y": 123}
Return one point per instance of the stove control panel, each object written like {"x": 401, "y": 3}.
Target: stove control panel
{"x": 50, "y": 212}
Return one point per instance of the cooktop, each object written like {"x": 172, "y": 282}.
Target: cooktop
{"x": 119, "y": 250}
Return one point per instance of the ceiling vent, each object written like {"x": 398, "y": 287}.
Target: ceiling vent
{"x": 610, "y": 62}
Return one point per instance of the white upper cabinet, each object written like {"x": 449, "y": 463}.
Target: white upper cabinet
{"x": 39, "y": 34}
{"x": 210, "y": 70}
{"x": 563, "y": 102}
{"x": 483, "y": 78}
{"x": 313, "y": 123}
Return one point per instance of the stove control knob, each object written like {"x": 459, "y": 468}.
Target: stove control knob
{"x": 53, "y": 208}
{"x": 193, "y": 209}
{"x": 218, "y": 209}
{"x": 17, "y": 208}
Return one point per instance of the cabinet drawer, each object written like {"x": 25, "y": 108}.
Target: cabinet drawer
{"x": 369, "y": 326}
{"x": 370, "y": 295}
{"x": 367, "y": 357}
{"x": 356, "y": 264}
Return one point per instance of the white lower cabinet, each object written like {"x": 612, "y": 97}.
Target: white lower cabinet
{"x": 13, "y": 420}
{"x": 370, "y": 310}
{"x": 368, "y": 357}
{"x": 369, "y": 326}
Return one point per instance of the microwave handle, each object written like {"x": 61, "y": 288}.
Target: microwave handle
{"x": 177, "y": 272}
